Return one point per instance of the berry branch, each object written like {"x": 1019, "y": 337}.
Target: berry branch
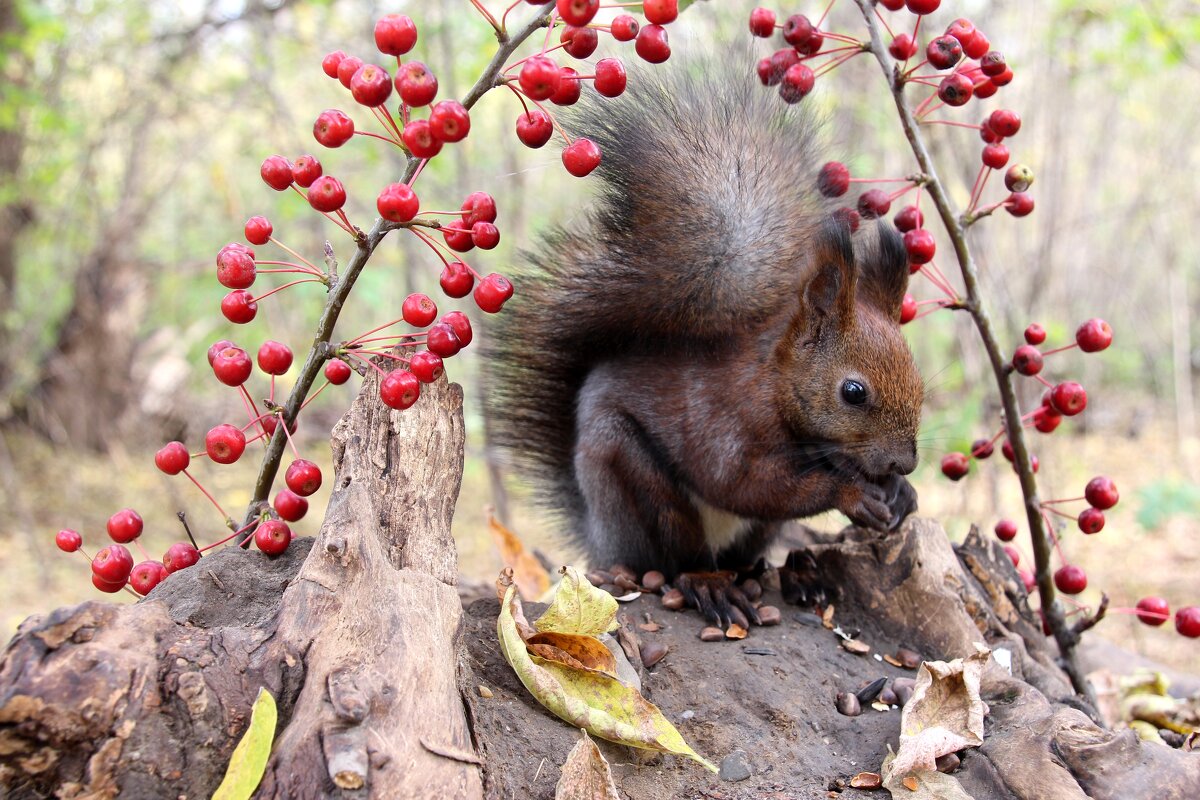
{"x": 341, "y": 285}
{"x": 1066, "y": 636}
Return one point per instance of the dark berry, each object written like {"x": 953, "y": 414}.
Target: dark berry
{"x": 955, "y": 89}
{"x": 834, "y": 179}
{"x": 944, "y": 52}
{"x": 1006, "y": 530}
{"x": 797, "y": 83}
{"x": 1091, "y": 520}
{"x": 874, "y": 203}
{"x": 992, "y": 63}
{"x": 1027, "y": 360}
{"x": 902, "y": 47}
{"x": 797, "y": 29}
{"x": 922, "y": 6}
{"x": 909, "y": 218}
{"x": 955, "y": 466}
{"x": 908, "y": 309}
{"x": 1187, "y": 621}
{"x": 1019, "y": 204}
{"x": 762, "y": 22}
{"x": 848, "y": 216}
{"x": 780, "y": 62}
{"x": 982, "y": 448}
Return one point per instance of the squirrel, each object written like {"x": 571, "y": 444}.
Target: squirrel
{"x": 711, "y": 353}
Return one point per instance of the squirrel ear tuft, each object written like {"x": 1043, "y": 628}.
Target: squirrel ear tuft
{"x": 828, "y": 292}
{"x": 883, "y": 269}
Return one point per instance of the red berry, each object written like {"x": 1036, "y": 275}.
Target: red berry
{"x": 963, "y": 30}
{"x": 902, "y": 47}
{"x": 276, "y": 172}
{"x": 1068, "y": 398}
{"x": 269, "y": 424}
{"x": 232, "y": 366}
{"x": 1070, "y": 579}
{"x": 303, "y": 477}
{"x": 239, "y": 307}
{"x": 180, "y": 555}
{"x": 1027, "y": 360}
{"x": 1019, "y": 204}
{"x": 955, "y": 89}
{"x": 337, "y": 371}
{"x": 258, "y": 230}
{"x": 1013, "y": 553}
{"x": 1006, "y": 530}
{"x": 457, "y": 236}
{"x": 579, "y": 42}
{"x": 1003, "y": 79}
{"x": 908, "y": 309}
{"x": 978, "y": 46}
{"x": 426, "y": 366}
{"x": 1153, "y": 610}
{"x": 492, "y": 292}
{"x": 1187, "y": 621}
{"x": 920, "y": 246}
{"x": 652, "y": 44}
{"x": 346, "y": 69}
{"x": 449, "y": 121}
{"x": 1007, "y": 451}
{"x": 395, "y": 34}
{"x": 331, "y": 62}
{"x": 1091, "y": 520}
{"x": 68, "y": 540}
{"x": 235, "y": 268}
{"x": 982, "y": 448}
{"x": 443, "y": 340}
{"x": 397, "y": 203}
{"x": 944, "y": 52}
{"x": 661, "y": 12}
{"x": 610, "y": 77}
{"x": 995, "y": 156}
{"x": 1094, "y": 335}
{"x": 909, "y": 218}
{"x": 983, "y": 88}
{"x": 992, "y": 63}
{"x": 577, "y": 12}
{"x": 416, "y": 84}
{"x": 485, "y": 235}
{"x": 113, "y": 564}
{"x": 399, "y": 389}
{"x": 539, "y": 77}
{"x": 333, "y": 128}
{"x": 327, "y": 194}
{"x": 274, "y": 358}
{"x": 1028, "y": 579}
{"x": 955, "y": 466}
{"x": 778, "y": 65}
{"x": 125, "y": 526}
{"x": 581, "y": 157}
{"x": 534, "y": 128}
{"x": 461, "y": 324}
{"x": 834, "y": 179}
{"x": 478, "y": 207}
{"x": 874, "y": 203}
{"x": 418, "y": 310}
{"x": 272, "y": 536}
{"x": 922, "y": 6}
{"x": 624, "y": 28}
{"x": 224, "y": 443}
{"x": 456, "y": 280}
{"x": 217, "y": 347}
{"x": 848, "y": 216}
{"x": 1101, "y": 492}
{"x": 797, "y": 30}
{"x": 146, "y": 575}
{"x": 797, "y": 82}
{"x": 762, "y": 22}
{"x": 1035, "y": 334}
{"x": 371, "y": 86}
{"x": 892, "y": 5}
{"x": 1046, "y": 420}
{"x": 289, "y": 505}
{"x": 569, "y": 88}
{"x": 1018, "y": 178}
{"x": 420, "y": 140}
{"x": 111, "y": 587}
{"x": 305, "y": 170}
{"x": 1004, "y": 122}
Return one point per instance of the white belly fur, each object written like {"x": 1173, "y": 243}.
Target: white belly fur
{"x": 721, "y": 528}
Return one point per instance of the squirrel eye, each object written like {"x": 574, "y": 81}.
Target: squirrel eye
{"x": 854, "y": 393}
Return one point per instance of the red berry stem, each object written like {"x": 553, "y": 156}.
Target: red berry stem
{"x": 1070, "y": 346}
{"x": 935, "y": 276}
{"x": 315, "y": 394}
{"x": 438, "y": 247}
{"x": 880, "y": 180}
{"x": 955, "y": 226}
{"x": 1042, "y": 380}
{"x": 211, "y": 499}
{"x": 285, "y": 286}
{"x": 295, "y": 255}
{"x": 824, "y": 14}
{"x": 362, "y": 336}
{"x": 385, "y": 354}
{"x": 832, "y": 64}
{"x": 1056, "y": 512}
{"x": 389, "y": 125}
{"x": 327, "y": 215}
{"x": 292, "y": 267}
{"x": 883, "y": 22}
{"x": 248, "y": 402}
{"x": 1062, "y": 500}
{"x": 387, "y": 139}
{"x": 369, "y": 362}
{"x": 550, "y": 29}
{"x": 231, "y": 536}
{"x": 486, "y": 15}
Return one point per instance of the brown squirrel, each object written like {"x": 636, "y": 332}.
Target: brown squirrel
{"x": 711, "y": 354}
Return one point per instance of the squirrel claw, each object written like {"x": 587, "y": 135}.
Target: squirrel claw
{"x": 800, "y": 580}
{"x": 718, "y": 599}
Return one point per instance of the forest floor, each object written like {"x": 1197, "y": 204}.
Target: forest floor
{"x": 1147, "y": 547}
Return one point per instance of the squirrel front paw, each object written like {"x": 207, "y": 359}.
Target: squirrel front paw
{"x": 901, "y": 499}
{"x": 866, "y": 504}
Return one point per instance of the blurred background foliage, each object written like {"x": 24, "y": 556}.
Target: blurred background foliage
{"x": 130, "y": 139}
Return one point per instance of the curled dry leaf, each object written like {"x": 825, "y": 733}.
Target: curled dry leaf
{"x": 944, "y": 715}
{"x": 530, "y": 576}
{"x": 922, "y": 785}
{"x": 584, "y": 696}
{"x": 585, "y": 774}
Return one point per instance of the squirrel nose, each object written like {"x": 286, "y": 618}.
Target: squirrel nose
{"x": 903, "y": 465}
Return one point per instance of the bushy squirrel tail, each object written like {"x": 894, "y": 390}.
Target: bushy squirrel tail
{"x": 703, "y": 213}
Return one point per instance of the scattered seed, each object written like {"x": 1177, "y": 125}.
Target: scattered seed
{"x": 735, "y": 631}
{"x": 673, "y": 600}
{"x": 805, "y": 618}
{"x": 869, "y": 692}
{"x": 621, "y": 569}
{"x": 752, "y": 589}
{"x": 653, "y": 580}
{"x": 625, "y": 582}
{"x": 910, "y": 783}
{"x": 628, "y": 597}
{"x": 888, "y": 696}
{"x": 948, "y": 763}
{"x": 848, "y": 704}
{"x": 484, "y": 691}
{"x": 880, "y": 706}
{"x": 866, "y": 780}
{"x": 711, "y": 634}
{"x": 653, "y": 652}
{"x": 903, "y": 687}
{"x": 895, "y": 662}
{"x": 769, "y": 615}
{"x": 599, "y": 576}
{"x": 650, "y": 627}
{"x": 909, "y": 659}
{"x": 856, "y": 646}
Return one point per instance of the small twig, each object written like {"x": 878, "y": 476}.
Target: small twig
{"x": 183, "y": 521}
{"x": 1090, "y": 621}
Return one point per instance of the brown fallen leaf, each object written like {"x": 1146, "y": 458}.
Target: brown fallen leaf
{"x": 586, "y": 650}
{"x": 944, "y": 715}
{"x": 922, "y": 785}
{"x": 585, "y": 774}
{"x": 530, "y": 576}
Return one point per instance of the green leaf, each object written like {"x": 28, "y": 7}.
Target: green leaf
{"x": 579, "y": 607}
{"x": 249, "y": 759}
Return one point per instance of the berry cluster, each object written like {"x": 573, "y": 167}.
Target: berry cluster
{"x": 420, "y": 125}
